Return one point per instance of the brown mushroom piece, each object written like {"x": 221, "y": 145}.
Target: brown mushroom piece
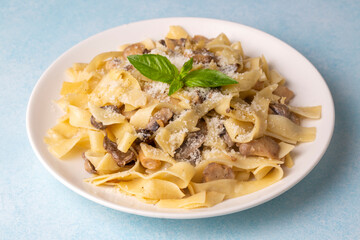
{"x": 162, "y": 42}
{"x": 160, "y": 119}
{"x": 145, "y": 135}
{"x": 226, "y": 137}
{"x": 283, "y": 110}
{"x": 119, "y": 157}
{"x": 285, "y": 92}
{"x": 264, "y": 147}
{"x": 216, "y": 171}
{"x": 199, "y": 98}
{"x": 96, "y": 124}
{"x": 134, "y": 49}
{"x": 203, "y": 56}
{"x": 189, "y": 149}
{"x": 148, "y": 163}
{"x": 172, "y": 44}
{"x": 89, "y": 167}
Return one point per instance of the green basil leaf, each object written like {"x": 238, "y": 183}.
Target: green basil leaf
{"x": 186, "y": 68}
{"x": 175, "y": 85}
{"x": 155, "y": 67}
{"x": 207, "y": 78}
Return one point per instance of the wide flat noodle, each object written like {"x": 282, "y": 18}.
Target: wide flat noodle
{"x": 285, "y": 127}
{"x": 142, "y": 116}
{"x": 279, "y": 137}
{"x": 246, "y": 81}
{"x": 151, "y": 188}
{"x": 96, "y": 141}
{"x": 220, "y": 40}
{"x": 276, "y": 78}
{"x": 180, "y": 174}
{"x": 177, "y": 32}
{"x": 289, "y": 161}
{"x": 157, "y": 154}
{"x": 107, "y": 165}
{"x": 285, "y": 149}
{"x": 125, "y": 135}
{"x": 63, "y": 137}
{"x": 199, "y": 200}
{"x": 308, "y": 112}
{"x": 106, "y": 115}
{"x": 62, "y": 146}
{"x": 79, "y": 117}
{"x": 79, "y": 100}
{"x": 74, "y": 87}
{"x": 116, "y": 88}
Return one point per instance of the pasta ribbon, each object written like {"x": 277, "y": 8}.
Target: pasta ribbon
{"x": 199, "y": 200}
{"x": 116, "y": 88}
{"x": 286, "y": 128}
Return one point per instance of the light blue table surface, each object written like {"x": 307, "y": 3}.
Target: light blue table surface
{"x": 34, "y": 205}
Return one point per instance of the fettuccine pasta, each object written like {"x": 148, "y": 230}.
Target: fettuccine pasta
{"x": 192, "y": 149}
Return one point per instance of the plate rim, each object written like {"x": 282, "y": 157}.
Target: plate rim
{"x": 175, "y": 215}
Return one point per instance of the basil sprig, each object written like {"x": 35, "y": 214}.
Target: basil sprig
{"x": 159, "y": 68}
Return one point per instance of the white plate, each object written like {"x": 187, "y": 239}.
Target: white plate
{"x": 302, "y": 77}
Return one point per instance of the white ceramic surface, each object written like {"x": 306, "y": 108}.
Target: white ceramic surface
{"x": 308, "y": 85}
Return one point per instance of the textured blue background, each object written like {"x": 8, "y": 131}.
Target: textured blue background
{"x": 34, "y": 205}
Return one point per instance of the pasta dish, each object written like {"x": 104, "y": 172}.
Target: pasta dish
{"x": 183, "y": 122}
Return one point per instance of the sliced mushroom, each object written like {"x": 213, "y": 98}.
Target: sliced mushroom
{"x": 264, "y": 147}
{"x": 216, "y": 171}
{"x": 226, "y": 137}
{"x": 228, "y": 68}
{"x": 160, "y": 119}
{"x": 89, "y": 167}
{"x": 146, "y": 51}
{"x": 145, "y": 135}
{"x": 189, "y": 149}
{"x": 162, "y": 42}
{"x": 134, "y": 49}
{"x": 199, "y": 98}
{"x": 148, "y": 162}
{"x": 283, "y": 110}
{"x": 285, "y": 92}
{"x": 203, "y": 56}
{"x": 173, "y": 44}
{"x": 119, "y": 157}
{"x": 97, "y": 125}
